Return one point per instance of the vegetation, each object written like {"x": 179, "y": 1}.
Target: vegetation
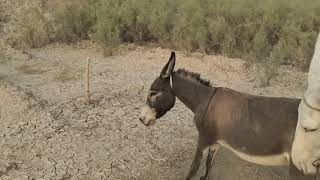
{"x": 34, "y": 29}
{"x": 271, "y": 32}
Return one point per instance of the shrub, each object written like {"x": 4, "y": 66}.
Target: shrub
{"x": 74, "y": 21}
{"x": 271, "y": 63}
{"x": 34, "y": 29}
{"x": 249, "y": 29}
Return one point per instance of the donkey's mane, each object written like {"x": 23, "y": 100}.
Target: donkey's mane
{"x": 193, "y": 75}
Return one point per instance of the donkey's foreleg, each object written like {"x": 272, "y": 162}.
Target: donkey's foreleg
{"x": 196, "y": 161}
{"x": 210, "y": 160}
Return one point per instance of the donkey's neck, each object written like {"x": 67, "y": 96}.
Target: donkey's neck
{"x": 314, "y": 70}
{"x": 190, "y": 92}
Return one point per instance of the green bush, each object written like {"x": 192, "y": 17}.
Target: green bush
{"x": 74, "y": 21}
{"x": 237, "y": 28}
{"x": 34, "y": 29}
{"x": 267, "y": 32}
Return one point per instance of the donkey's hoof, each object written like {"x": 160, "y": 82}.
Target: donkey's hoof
{"x": 203, "y": 178}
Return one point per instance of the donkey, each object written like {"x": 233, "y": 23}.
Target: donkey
{"x": 306, "y": 144}
{"x": 258, "y": 129}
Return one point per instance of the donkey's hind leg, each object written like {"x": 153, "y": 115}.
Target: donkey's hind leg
{"x": 210, "y": 160}
{"x": 197, "y": 160}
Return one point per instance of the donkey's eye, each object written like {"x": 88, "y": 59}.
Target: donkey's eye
{"x": 309, "y": 129}
{"x": 153, "y": 93}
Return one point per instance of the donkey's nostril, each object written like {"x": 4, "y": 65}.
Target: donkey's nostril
{"x": 316, "y": 163}
{"x": 140, "y": 119}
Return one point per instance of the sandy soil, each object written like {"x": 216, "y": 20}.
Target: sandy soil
{"x": 48, "y": 131}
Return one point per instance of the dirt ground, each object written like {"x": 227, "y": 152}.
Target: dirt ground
{"x": 48, "y": 131}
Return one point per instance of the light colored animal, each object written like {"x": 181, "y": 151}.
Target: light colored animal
{"x": 306, "y": 146}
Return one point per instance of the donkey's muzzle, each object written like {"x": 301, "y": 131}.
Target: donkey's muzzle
{"x": 148, "y": 116}
{"x": 142, "y": 121}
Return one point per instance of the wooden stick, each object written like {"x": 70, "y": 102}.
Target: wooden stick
{"x": 88, "y": 79}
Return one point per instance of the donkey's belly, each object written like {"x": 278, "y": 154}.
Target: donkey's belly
{"x": 268, "y": 160}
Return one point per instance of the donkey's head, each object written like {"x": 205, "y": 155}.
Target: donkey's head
{"x": 306, "y": 144}
{"x": 160, "y": 97}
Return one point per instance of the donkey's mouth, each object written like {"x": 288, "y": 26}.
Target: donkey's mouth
{"x": 316, "y": 163}
{"x": 151, "y": 122}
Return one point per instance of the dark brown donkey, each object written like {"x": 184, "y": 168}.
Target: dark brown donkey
{"x": 258, "y": 129}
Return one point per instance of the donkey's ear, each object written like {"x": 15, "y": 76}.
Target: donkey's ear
{"x": 168, "y": 68}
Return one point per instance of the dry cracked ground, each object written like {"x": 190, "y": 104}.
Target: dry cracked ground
{"x": 48, "y": 131}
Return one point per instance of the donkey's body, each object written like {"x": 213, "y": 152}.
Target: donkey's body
{"x": 258, "y": 129}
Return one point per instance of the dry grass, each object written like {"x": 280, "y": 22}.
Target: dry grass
{"x": 34, "y": 29}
